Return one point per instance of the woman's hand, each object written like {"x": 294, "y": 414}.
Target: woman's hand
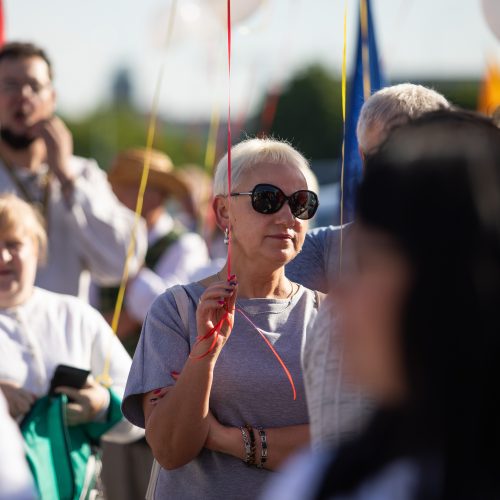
{"x": 217, "y": 302}
{"x": 87, "y": 402}
{"x": 19, "y": 400}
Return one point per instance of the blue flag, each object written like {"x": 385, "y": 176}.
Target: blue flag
{"x": 366, "y": 80}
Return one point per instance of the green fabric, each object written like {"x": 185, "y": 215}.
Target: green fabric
{"x": 58, "y": 454}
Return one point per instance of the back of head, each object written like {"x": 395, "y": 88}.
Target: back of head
{"x": 392, "y": 106}
{"x": 251, "y": 152}
{"x": 435, "y": 188}
{"x": 24, "y": 50}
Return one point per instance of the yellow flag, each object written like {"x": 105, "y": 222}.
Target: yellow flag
{"x": 489, "y": 94}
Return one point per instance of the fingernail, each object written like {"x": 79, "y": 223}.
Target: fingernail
{"x": 174, "y": 373}
{"x": 232, "y": 277}
{"x": 153, "y": 400}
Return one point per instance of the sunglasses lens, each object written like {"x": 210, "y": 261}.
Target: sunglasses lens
{"x": 304, "y": 204}
{"x": 267, "y": 199}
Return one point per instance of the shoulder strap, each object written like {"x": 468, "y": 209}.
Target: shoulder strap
{"x": 182, "y": 302}
{"x": 153, "y": 479}
{"x": 159, "y": 247}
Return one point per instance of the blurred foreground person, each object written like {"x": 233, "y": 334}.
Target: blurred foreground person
{"x": 338, "y": 409}
{"x": 173, "y": 254}
{"x": 88, "y": 229}
{"x": 218, "y": 409}
{"x": 39, "y": 331}
{"x": 419, "y": 318}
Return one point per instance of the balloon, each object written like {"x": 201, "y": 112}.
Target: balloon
{"x": 190, "y": 23}
{"x": 240, "y": 9}
{"x": 491, "y": 10}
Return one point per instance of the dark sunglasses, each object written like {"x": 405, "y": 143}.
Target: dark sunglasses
{"x": 268, "y": 199}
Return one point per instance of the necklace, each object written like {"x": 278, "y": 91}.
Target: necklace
{"x": 288, "y": 299}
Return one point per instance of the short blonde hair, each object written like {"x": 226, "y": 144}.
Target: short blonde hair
{"x": 252, "y": 152}
{"x": 16, "y": 213}
{"x": 394, "y": 105}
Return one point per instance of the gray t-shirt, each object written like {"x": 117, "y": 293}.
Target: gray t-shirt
{"x": 317, "y": 265}
{"x": 249, "y": 385}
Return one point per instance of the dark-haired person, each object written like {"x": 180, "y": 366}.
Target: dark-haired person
{"x": 337, "y": 409}
{"x": 419, "y": 318}
{"x": 88, "y": 229}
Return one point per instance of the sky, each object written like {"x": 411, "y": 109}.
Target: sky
{"x": 88, "y": 40}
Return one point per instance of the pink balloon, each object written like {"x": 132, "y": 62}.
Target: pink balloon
{"x": 491, "y": 10}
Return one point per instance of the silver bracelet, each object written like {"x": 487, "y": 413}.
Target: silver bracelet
{"x": 263, "y": 447}
{"x": 246, "y": 443}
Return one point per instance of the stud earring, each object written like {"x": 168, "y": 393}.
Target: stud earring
{"x": 226, "y": 236}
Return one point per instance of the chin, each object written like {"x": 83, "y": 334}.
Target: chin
{"x": 284, "y": 257}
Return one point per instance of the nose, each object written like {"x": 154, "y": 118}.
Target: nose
{"x": 285, "y": 215}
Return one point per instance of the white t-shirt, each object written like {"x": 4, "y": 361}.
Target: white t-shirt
{"x": 51, "y": 329}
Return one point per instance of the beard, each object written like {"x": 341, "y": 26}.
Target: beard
{"x": 15, "y": 141}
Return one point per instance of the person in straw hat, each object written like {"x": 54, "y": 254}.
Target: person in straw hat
{"x": 173, "y": 254}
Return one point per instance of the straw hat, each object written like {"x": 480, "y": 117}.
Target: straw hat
{"x": 128, "y": 165}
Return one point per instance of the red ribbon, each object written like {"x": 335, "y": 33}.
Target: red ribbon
{"x": 215, "y": 331}
{"x": 229, "y": 141}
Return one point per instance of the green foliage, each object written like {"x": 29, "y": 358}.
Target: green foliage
{"x": 111, "y": 129}
{"x": 309, "y": 113}
{"x": 463, "y": 93}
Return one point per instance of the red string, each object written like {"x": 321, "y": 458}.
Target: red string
{"x": 215, "y": 331}
{"x": 229, "y": 141}
{"x": 273, "y": 350}
{"x": 212, "y": 332}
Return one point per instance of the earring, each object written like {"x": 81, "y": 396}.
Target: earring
{"x": 226, "y": 236}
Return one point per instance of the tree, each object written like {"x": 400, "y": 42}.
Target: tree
{"x": 309, "y": 115}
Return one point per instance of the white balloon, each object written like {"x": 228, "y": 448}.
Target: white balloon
{"x": 190, "y": 24}
{"x": 491, "y": 10}
{"x": 240, "y": 9}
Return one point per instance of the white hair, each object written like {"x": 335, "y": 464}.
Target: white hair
{"x": 393, "y": 105}
{"x": 252, "y": 152}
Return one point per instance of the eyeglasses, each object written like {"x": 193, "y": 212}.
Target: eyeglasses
{"x": 268, "y": 199}
{"x": 12, "y": 87}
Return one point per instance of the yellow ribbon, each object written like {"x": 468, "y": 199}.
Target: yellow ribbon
{"x": 104, "y": 378}
{"x": 342, "y": 170}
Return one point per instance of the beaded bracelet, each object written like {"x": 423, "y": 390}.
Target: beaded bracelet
{"x": 253, "y": 447}
{"x": 263, "y": 449}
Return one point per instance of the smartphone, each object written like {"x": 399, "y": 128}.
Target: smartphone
{"x": 68, "y": 376}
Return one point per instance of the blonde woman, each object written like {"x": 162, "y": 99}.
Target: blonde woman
{"x": 40, "y": 330}
{"x": 219, "y": 415}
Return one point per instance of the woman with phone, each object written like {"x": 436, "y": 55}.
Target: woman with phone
{"x": 41, "y": 330}
{"x": 217, "y": 405}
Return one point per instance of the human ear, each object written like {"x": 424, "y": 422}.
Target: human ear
{"x": 220, "y": 206}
